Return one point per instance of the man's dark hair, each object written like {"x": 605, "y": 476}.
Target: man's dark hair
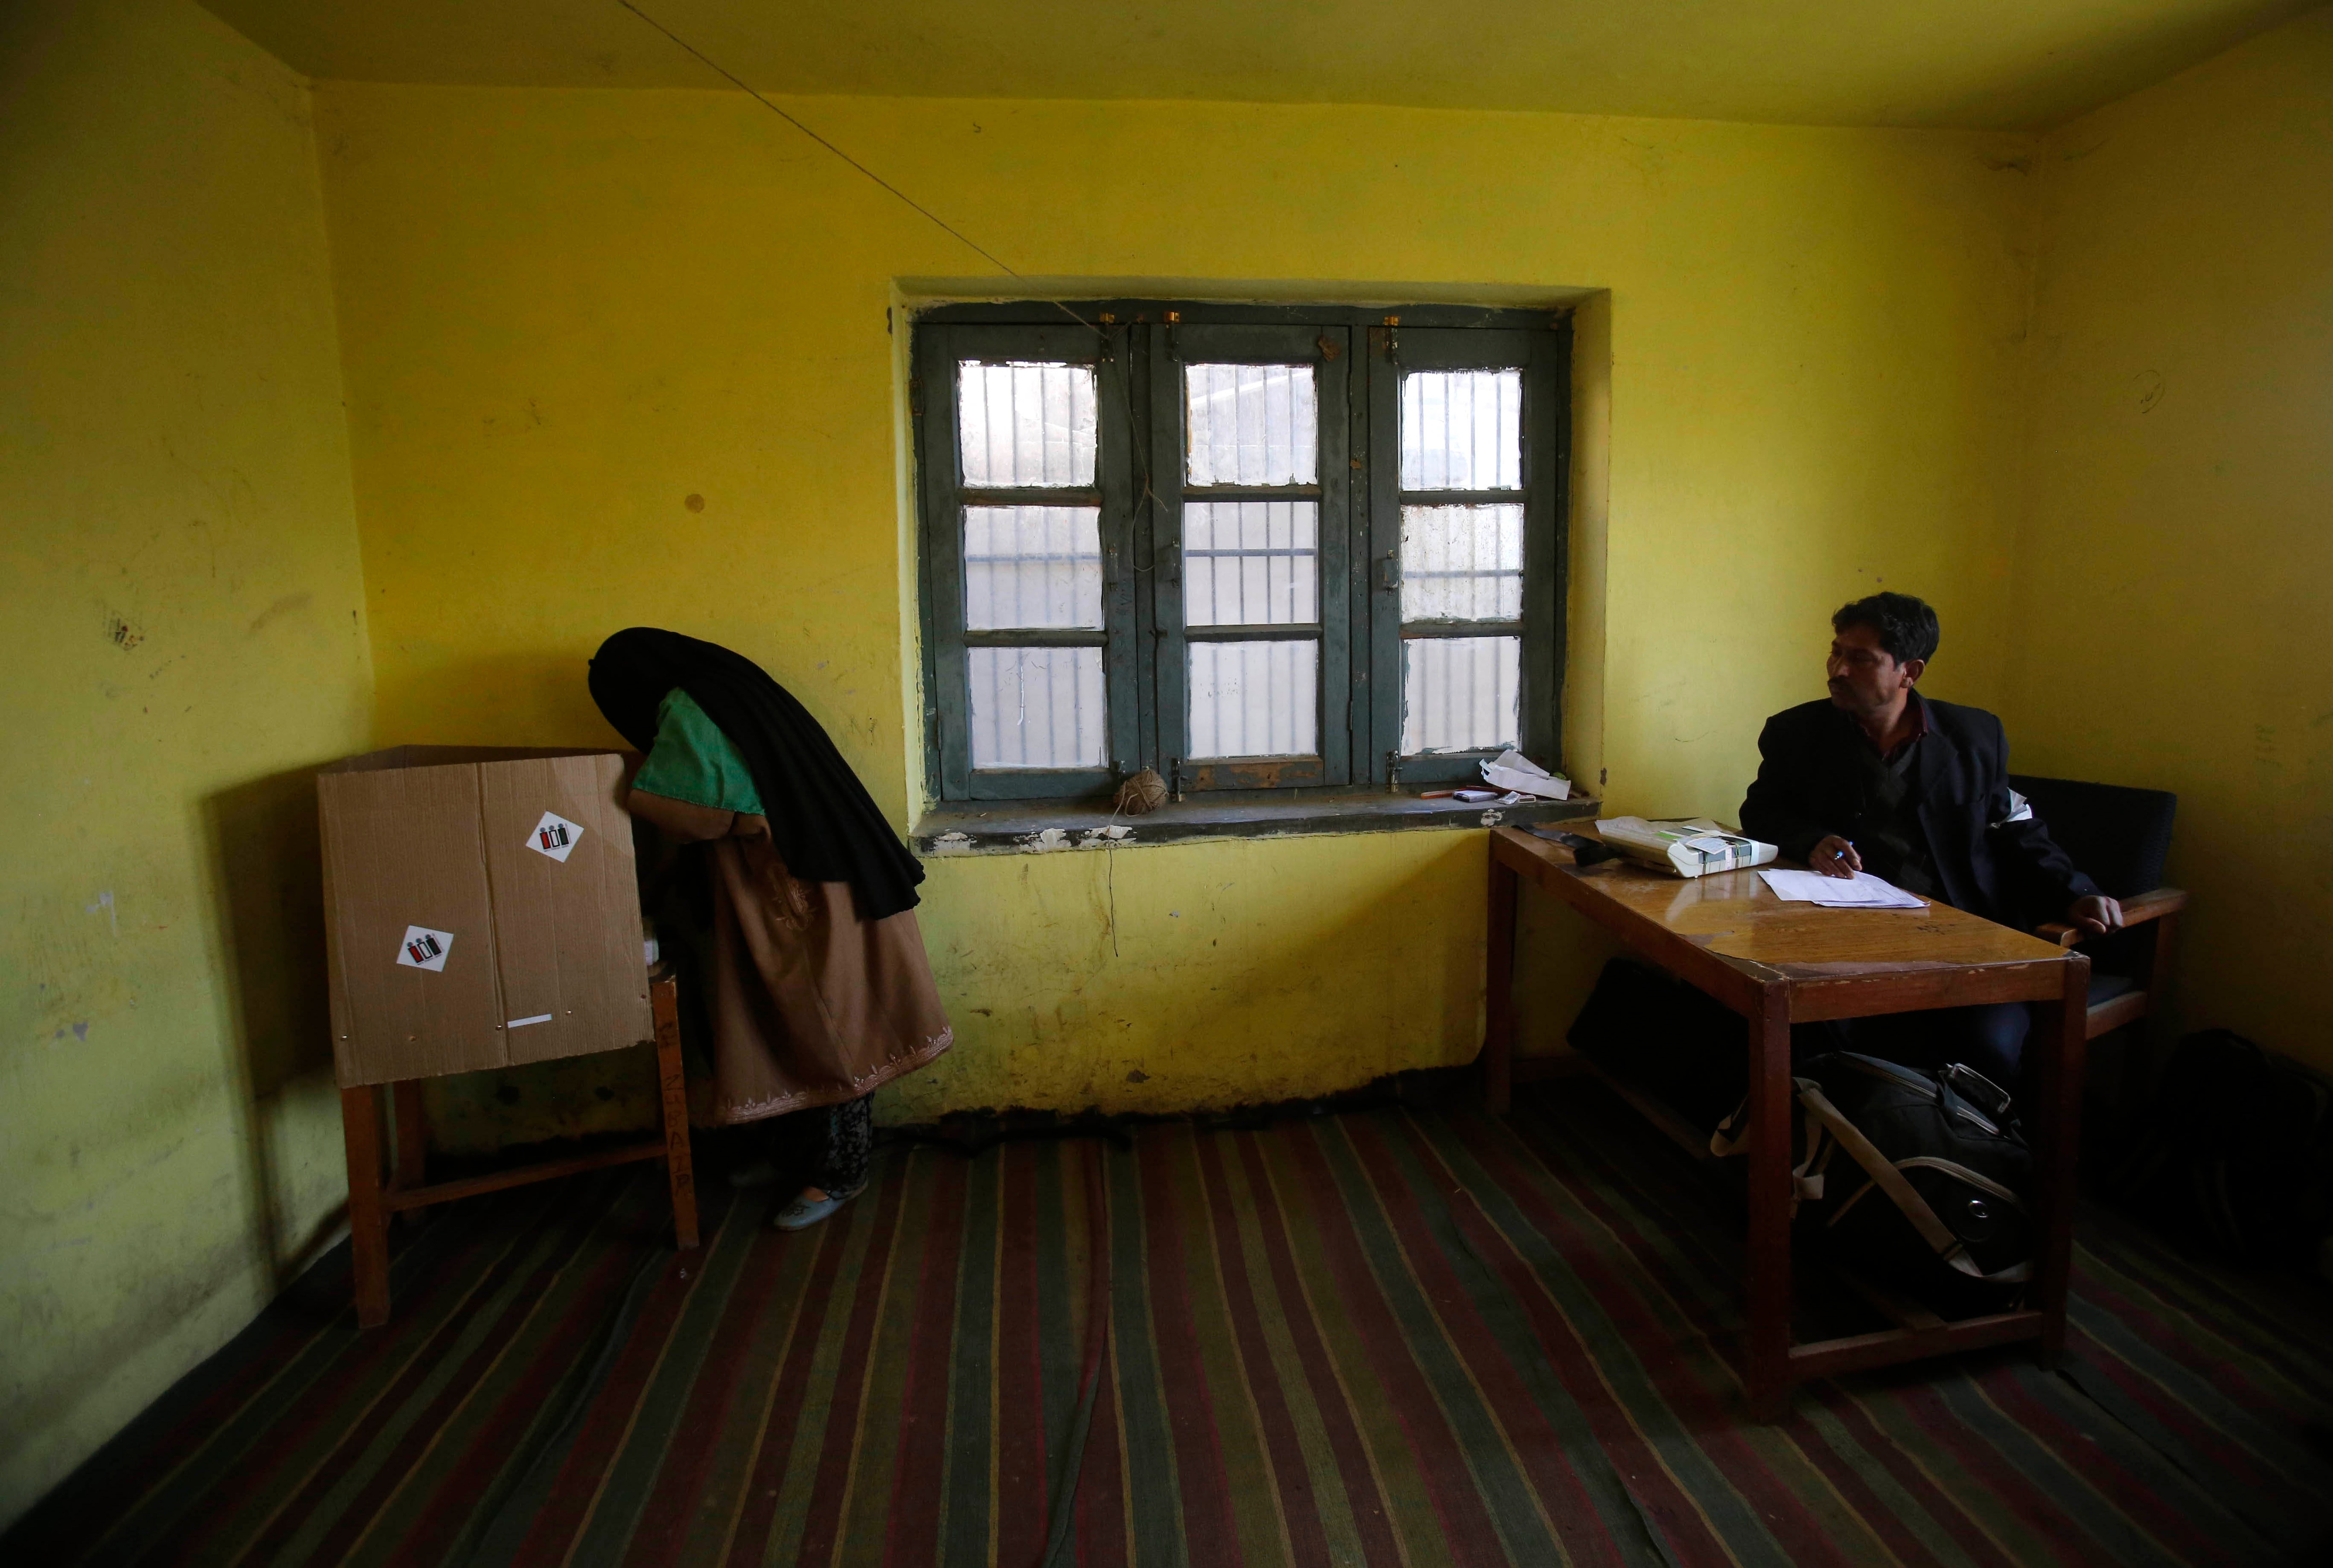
{"x": 1906, "y": 627}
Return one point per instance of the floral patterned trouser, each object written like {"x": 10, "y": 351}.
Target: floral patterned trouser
{"x": 849, "y": 1143}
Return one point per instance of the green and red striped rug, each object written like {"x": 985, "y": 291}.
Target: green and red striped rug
{"x": 1386, "y": 1337}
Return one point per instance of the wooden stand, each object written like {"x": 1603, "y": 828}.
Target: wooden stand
{"x": 373, "y": 1199}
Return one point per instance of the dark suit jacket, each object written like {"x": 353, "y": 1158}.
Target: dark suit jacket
{"x": 1810, "y": 785}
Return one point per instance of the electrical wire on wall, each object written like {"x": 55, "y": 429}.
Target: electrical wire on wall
{"x": 1125, "y": 396}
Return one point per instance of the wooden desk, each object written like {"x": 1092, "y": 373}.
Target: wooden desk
{"x": 1776, "y": 964}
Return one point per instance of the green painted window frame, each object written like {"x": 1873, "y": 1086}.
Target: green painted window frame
{"x": 1138, "y": 348}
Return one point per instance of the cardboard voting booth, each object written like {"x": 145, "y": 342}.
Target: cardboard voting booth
{"x": 481, "y": 910}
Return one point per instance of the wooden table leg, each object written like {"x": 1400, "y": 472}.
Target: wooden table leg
{"x": 673, "y": 1077}
{"x": 368, "y": 1220}
{"x": 412, "y": 1133}
{"x": 1767, "y": 1358}
{"x": 1499, "y": 997}
{"x": 2062, "y": 1035}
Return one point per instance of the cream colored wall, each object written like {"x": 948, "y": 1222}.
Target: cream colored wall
{"x": 2173, "y": 624}
{"x": 565, "y": 312}
{"x": 181, "y": 618}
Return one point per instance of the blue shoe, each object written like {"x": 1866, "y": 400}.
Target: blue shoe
{"x": 803, "y": 1212}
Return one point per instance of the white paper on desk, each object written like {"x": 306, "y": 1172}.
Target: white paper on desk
{"x": 1863, "y": 891}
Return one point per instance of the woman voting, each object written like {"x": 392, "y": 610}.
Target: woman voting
{"x": 792, "y": 900}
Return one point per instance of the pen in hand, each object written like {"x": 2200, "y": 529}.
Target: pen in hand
{"x": 1835, "y": 857}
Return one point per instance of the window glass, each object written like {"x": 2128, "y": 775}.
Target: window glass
{"x": 1254, "y": 699}
{"x": 1032, "y": 566}
{"x": 1025, "y": 425}
{"x": 1462, "y": 430}
{"x": 1253, "y": 424}
{"x": 1462, "y": 563}
{"x": 1459, "y": 693}
{"x": 1036, "y": 707}
{"x": 1251, "y": 563}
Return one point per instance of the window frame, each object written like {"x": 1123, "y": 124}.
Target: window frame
{"x": 1138, "y": 350}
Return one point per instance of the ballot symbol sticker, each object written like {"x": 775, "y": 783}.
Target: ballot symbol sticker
{"x": 555, "y": 837}
{"x": 425, "y": 949}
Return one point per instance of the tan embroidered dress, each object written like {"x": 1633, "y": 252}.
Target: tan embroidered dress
{"x": 806, "y": 1003}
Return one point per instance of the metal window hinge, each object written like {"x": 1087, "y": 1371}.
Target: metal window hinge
{"x": 915, "y": 397}
{"x": 1390, "y": 571}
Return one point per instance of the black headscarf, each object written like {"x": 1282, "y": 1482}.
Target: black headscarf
{"x": 821, "y": 819}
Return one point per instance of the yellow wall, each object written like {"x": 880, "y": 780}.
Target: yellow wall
{"x": 180, "y": 622}
{"x": 564, "y": 312}
{"x": 2175, "y": 625}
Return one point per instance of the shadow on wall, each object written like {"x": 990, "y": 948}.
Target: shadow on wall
{"x": 1558, "y": 954}
{"x": 470, "y": 702}
{"x": 268, "y": 868}
{"x": 545, "y": 1102}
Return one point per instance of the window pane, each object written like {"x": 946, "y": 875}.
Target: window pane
{"x": 1462, "y": 563}
{"x": 1036, "y": 707}
{"x": 1251, "y": 563}
{"x": 1032, "y": 566}
{"x": 1023, "y": 423}
{"x": 1458, "y": 693}
{"x": 1253, "y": 424}
{"x": 1462, "y": 430}
{"x": 1254, "y": 699}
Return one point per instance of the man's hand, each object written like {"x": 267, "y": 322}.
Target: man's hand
{"x": 2094, "y": 914}
{"x": 1835, "y": 856}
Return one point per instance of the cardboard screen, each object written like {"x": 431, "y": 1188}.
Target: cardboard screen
{"x": 482, "y": 910}
{"x": 567, "y": 922}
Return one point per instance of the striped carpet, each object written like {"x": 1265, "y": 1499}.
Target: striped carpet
{"x": 1382, "y": 1338}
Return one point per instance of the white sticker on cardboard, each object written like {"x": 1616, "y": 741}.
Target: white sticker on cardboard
{"x": 555, "y": 837}
{"x": 425, "y": 948}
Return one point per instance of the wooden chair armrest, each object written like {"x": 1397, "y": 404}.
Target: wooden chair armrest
{"x": 2153, "y": 905}
{"x": 2139, "y": 907}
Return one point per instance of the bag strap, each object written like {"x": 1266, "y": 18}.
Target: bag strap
{"x": 1976, "y": 1179}
{"x": 1732, "y": 1137}
{"x": 1901, "y": 1192}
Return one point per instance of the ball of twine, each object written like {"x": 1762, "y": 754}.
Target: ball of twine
{"x": 1144, "y": 793}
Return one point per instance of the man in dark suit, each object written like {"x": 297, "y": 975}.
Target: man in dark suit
{"x": 1879, "y": 778}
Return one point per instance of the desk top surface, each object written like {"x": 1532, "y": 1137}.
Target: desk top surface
{"x": 1736, "y": 916}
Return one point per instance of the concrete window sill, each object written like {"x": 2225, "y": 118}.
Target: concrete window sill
{"x": 1038, "y": 827}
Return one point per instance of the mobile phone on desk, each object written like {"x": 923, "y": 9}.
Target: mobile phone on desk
{"x": 1584, "y": 851}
